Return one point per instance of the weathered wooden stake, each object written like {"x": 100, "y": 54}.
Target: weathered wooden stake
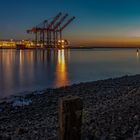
{"x": 70, "y": 118}
{"x": 136, "y": 137}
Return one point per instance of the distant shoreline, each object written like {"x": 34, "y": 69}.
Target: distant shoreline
{"x": 95, "y": 47}
{"x": 104, "y": 47}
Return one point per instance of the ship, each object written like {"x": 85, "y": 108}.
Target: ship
{"x": 20, "y": 46}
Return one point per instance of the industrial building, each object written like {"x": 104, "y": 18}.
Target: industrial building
{"x": 13, "y": 44}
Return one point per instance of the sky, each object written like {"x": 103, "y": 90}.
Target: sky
{"x": 98, "y": 22}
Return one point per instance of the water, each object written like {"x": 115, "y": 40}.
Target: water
{"x": 30, "y": 70}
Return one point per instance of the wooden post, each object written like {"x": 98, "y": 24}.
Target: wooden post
{"x": 137, "y": 137}
{"x": 70, "y": 118}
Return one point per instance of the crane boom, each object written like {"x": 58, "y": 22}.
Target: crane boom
{"x": 49, "y": 32}
{"x": 54, "y": 20}
{"x": 66, "y": 24}
{"x": 60, "y": 22}
{"x": 38, "y": 29}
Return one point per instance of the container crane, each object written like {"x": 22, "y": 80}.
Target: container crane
{"x": 55, "y": 34}
{"x": 63, "y": 27}
{"x": 49, "y": 33}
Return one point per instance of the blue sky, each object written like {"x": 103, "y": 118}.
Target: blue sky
{"x": 94, "y": 18}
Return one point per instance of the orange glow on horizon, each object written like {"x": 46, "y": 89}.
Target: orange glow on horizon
{"x": 108, "y": 41}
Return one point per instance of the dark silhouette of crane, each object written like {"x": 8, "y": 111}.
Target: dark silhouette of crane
{"x": 64, "y": 26}
{"x": 55, "y": 33}
{"x": 49, "y": 33}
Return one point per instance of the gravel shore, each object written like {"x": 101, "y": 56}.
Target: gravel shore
{"x": 111, "y": 111}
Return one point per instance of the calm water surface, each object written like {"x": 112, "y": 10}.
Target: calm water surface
{"x": 30, "y": 70}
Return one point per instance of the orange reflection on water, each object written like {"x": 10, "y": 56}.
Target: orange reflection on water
{"x": 26, "y": 62}
{"x": 61, "y": 70}
{"x": 61, "y": 60}
{"x": 137, "y": 54}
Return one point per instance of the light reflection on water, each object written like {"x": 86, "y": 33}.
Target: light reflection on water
{"x": 29, "y": 70}
{"x": 138, "y": 55}
{"x": 61, "y": 70}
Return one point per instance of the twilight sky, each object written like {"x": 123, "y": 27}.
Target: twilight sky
{"x": 98, "y": 22}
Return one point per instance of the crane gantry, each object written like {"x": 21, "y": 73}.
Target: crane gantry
{"x": 49, "y": 33}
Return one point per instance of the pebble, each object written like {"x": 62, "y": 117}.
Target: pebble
{"x": 111, "y": 111}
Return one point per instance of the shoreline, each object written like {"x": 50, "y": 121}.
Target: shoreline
{"x": 75, "y": 47}
{"x": 111, "y": 111}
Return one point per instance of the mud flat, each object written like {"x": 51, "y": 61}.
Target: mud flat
{"x": 111, "y": 111}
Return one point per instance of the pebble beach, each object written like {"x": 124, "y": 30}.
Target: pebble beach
{"x": 111, "y": 111}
